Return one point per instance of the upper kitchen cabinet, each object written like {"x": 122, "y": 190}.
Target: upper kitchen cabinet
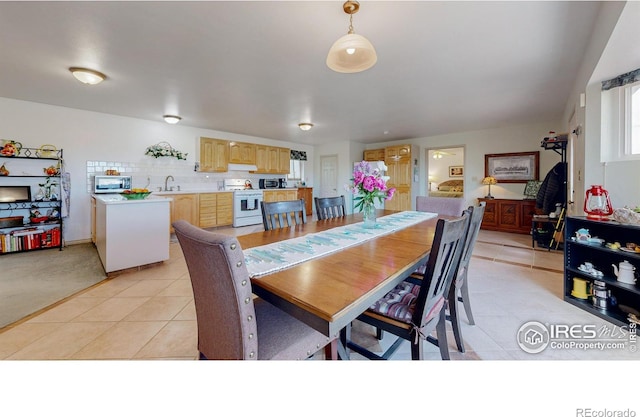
{"x": 272, "y": 159}
{"x": 374, "y": 155}
{"x": 214, "y": 155}
{"x": 242, "y": 153}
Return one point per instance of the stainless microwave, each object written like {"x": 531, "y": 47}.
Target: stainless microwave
{"x": 103, "y": 184}
{"x": 263, "y": 184}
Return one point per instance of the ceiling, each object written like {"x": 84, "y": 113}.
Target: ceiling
{"x": 258, "y": 68}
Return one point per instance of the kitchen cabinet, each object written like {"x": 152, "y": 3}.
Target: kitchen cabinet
{"x": 307, "y": 194}
{"x": 43, "y": 210}
{"x": 214, "y": 155}
{"x": 242, "y": 153}
{"x": 374, "y": 155}
{"x": 184, "y": 207}
{"x": 272, "y": 160}
{"x": 93, "y": 220}
{"x": 508, "y": 215}
{"x": 577, "y": 252}
{"x": 279, "y": 195}
{"x": 215, "y": 209}
{"x": 398, "y": 160}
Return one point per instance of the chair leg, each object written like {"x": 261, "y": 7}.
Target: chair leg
{"x": 441, "y": 331}
{"x": 466, "y": 301}
{"x": 379, "y": 333}
{"x": 331, "y": 350}
{"x": 455, "y": 319}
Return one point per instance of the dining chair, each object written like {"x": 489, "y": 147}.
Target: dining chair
{"x": 279, "y": 214}
{"x": 413, "y": 311}
{"x": 330, "y": 207}
{"x": 459, "y": 291}
{"x": 231, "y": 323}
{"x": 448, "y": 206}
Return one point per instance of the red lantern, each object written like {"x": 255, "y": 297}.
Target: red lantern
{"x": 597, "y": 204}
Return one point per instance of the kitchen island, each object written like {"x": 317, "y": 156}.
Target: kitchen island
{"x": 131, "y": 233}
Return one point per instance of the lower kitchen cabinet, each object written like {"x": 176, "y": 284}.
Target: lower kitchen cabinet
{"x": 279, "y": 195}
{"x": 508, "y": 215}
{"x": 215, "y": 209}
{"x": 184, "y": 207}
{"x": 307, "y": 194}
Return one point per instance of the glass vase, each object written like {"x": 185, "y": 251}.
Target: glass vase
{"x": 369, "y": 215}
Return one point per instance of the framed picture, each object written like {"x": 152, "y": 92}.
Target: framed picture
{"x": 512, "y": 167}
{"x": 456, "y": 171}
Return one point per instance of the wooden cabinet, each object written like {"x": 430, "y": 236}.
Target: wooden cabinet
{"x": 184, "y": 207}
{"x": 279, "y": 195}
{"x": 242, "y": 153}
{"x": 374, "y": 155}
{"x": 577, "y": 253}
{"x": 214, "y": 155}
{"x": 215, "y": 209}
{"x": 398, "y": 161}
{"x": 272, "y": 159}
{"x": 507, "y": 215}
{"x": 307, "y": 194}
{"x": 284, "y": 159}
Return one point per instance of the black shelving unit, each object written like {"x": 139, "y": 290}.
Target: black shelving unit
{"x": 30, "y": 236}
{"x": 602, "y": 258}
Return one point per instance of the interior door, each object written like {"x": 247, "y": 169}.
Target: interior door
{"x": 575, "y": 169}
{"x": 328, "y": 176}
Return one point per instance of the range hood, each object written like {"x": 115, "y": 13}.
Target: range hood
{"x": 242, "y": 167}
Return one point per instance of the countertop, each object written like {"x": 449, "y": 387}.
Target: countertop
{"x": 118, "y": 199}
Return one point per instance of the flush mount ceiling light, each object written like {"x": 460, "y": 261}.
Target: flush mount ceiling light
{"x": 87, "y": 76}
{"x": 351, "y": 53}
{"x": 172, "y": 120}
{"x": 305, "y": 126}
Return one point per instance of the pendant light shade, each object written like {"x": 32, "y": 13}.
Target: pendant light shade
{"x": 352, "y": 52}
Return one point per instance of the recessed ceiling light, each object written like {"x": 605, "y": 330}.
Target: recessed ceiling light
{"x": 305, "y": 126}
{"x": 172, "y": 120}
{"x": 87, "y": 76}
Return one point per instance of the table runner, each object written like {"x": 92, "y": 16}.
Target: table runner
{"x": 273, "y": 257}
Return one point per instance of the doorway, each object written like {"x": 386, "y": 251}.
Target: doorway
{"x": 443, "y": 165}
{"x": 328, "y": 176}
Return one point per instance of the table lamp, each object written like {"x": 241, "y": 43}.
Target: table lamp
{"x": 489, "y": 181}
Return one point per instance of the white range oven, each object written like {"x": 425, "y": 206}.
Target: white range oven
{"x": 246, "y": 202}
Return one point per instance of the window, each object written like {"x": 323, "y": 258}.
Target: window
{"x": 296, "y": 170}
{"x": 621, "y": 118}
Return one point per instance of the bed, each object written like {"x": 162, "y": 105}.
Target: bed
{"x": 451, "y": 188}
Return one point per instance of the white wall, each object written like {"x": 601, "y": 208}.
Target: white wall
{"x": 90, "y": 136}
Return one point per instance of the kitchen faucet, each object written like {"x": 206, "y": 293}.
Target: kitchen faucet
{"x": 165, "y": 183}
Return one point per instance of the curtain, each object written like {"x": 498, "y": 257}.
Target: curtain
{"x": 298, "y": 155}
{"x": 620, "y": 80}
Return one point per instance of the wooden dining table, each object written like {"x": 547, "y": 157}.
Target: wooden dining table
{"x": 329, "y": 292}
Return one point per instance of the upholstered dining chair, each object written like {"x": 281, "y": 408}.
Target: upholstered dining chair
{"x": 278, "y": 214}
{"x": 412, "y": 311}
{"x": 330, "y": 207}
{"x": 231, "y": 324}
{"x": 459, "y": 291}
{"x": 447, "y": 206}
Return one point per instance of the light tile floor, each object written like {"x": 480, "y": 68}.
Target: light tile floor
{"x": 149, "y": 314}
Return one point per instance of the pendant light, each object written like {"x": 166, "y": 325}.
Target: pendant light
{"x": 352, "y": 52}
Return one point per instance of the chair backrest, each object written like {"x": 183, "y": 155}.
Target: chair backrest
{"x": 477, "y": 213}
{"x": 330, "y": 207}
{"x": 447, "y": 206}
{"x": 441, "y": 268}
{"x": 278, "y": 214}
{"x": 221, "y": 291}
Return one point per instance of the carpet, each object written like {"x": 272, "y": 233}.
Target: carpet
{"x": 31, "y": 281}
